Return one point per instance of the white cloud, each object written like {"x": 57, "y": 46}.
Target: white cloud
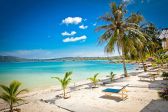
{"x": 72, "y": 20}
{"x": 74, "y": 39}
{"x": 68, "y": 34}
{"x": 83, "y": 27}
{"x": 84, "y": 19}
{"x": 126, "y": 0}
{"x": 94, "y": 24}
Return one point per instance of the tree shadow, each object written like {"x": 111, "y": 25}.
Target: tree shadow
{"x": 156, "y": 106}
{"x": 52, "y": 100}
{"x": 157, "y": 84}
{"x": 115, "y": 98}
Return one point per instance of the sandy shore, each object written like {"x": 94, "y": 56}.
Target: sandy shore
{"x": 142, "y": 97}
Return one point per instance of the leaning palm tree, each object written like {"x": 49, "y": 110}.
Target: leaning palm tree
{"x": 116, "y": 32}
{"x": 10, "y": 94}
{"x": 94, "y": 79}
{"x": 150, "y": 46}
{"x": 64, "y": 81}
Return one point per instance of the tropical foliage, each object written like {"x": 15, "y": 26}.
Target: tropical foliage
{"x": 94, "y": 79}
{"x": 164, "y": 93}
{"x": 165, "y": 75}
{"x": 64, "y": 82}
{"x": 10, "y": 94}
{"x": 150, "y": 46}
{"x": 111, "y": 76}
{"x": 118, "y": 30}
{"x": 161, "y": 57}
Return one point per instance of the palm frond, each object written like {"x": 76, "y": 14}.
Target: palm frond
{"x": 5, "y": 97}
{"x": 21, "y": 91}
{"x": 14, "y": 86}
{"x": 110, "y": 46}
{"x": 5, "y": 88}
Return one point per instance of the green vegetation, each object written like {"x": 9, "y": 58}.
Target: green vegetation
{"x": 148, "y": 45}
{"x": 164, "y": 93}
{"x": 11, "y": 59}
{"x": 165, "y": 75}
{"x": 111, "y": 76}
{"x": 161, "y": 57}
{"x": 10, "y": 94}
{"x": 64, "y": 82}
{"x": 94, "y": 79}
{"x": 17, "y": 59}
{"x": 118, "y": 31}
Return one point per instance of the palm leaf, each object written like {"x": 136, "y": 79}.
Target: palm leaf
{"x": 5, "y": 88}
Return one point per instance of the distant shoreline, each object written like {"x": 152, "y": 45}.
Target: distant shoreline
{"x": 113, "y": 59}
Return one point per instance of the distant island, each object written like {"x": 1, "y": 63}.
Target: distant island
{"x": 19, "y": 59}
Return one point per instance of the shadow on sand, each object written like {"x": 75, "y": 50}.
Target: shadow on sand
{"x": 156, "y": 106}
{"x": 115, "y": 98}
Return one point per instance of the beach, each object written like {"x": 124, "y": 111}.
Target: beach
{"x": 142, "y": 97}
{"x": 83, "y": 56}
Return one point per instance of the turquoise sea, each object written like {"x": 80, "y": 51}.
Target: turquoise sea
{"x": 38, "y": 74}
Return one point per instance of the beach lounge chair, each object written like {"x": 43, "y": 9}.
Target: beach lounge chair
{"x": 151, "y": 76}
{"x": 121, "y": 91}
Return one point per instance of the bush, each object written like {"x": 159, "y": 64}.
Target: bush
{"x": 165, "y": 75}
{"x": 164, "y": 93}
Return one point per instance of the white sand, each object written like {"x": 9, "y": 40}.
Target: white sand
{"x": 142, "y": 97}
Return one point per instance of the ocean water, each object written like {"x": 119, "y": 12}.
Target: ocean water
{"x": 38, "y": 74}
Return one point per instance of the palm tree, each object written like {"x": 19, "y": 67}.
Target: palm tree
{"x": 150, "y": 46}
{"x": 116, "y": 32}
{"x": 10, "y": 94}
{"x": 111, "y": 76}
{"x": 65, "y": 81}
{"x": 94, "y": 79}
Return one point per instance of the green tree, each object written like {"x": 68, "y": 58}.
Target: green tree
{"x": 161, "y": 57}
{"x": 94, "y": 79}
{"x": 64, "y": 81}
{"x": 116, "y": 32}
{"x": 149, "y": 45}
{"x": 10, "y": 94}
{"x": 111, "y": 76}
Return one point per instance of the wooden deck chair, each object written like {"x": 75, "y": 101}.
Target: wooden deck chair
{"x": 122, "y": 91}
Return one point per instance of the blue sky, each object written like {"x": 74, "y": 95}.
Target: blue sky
{"x": 63, "y": 28}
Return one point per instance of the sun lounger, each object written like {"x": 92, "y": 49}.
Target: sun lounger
{"x": 150, "y": 76}
{"x": 121, "y": 91}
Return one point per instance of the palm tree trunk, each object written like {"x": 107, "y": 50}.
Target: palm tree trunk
{"x": 124, "y": 66}
{"x": 123, "y": 60}
{"x": 64, "y": 92}
{"x": 145, "y": 68}
{"x": 11, "y": 107}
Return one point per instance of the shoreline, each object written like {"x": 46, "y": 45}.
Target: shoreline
{"x": 74, "y": 84}
{"x": 26, "y": 73}
{"x": 46, "y": 99}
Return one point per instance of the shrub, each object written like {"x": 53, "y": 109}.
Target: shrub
{"x": 94, "y": 79}
{"x": 165, "y": 75}
{"x": 164, "y": 93}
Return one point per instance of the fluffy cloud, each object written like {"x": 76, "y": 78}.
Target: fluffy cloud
{"x": 72, "y": 20}
{"x": 83, "y": 27}
{"x": 74, "y": 39}
{"x": 94, "y": 24}
{"x": 68, "y": 34}
{"x": 126, "y": 0}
